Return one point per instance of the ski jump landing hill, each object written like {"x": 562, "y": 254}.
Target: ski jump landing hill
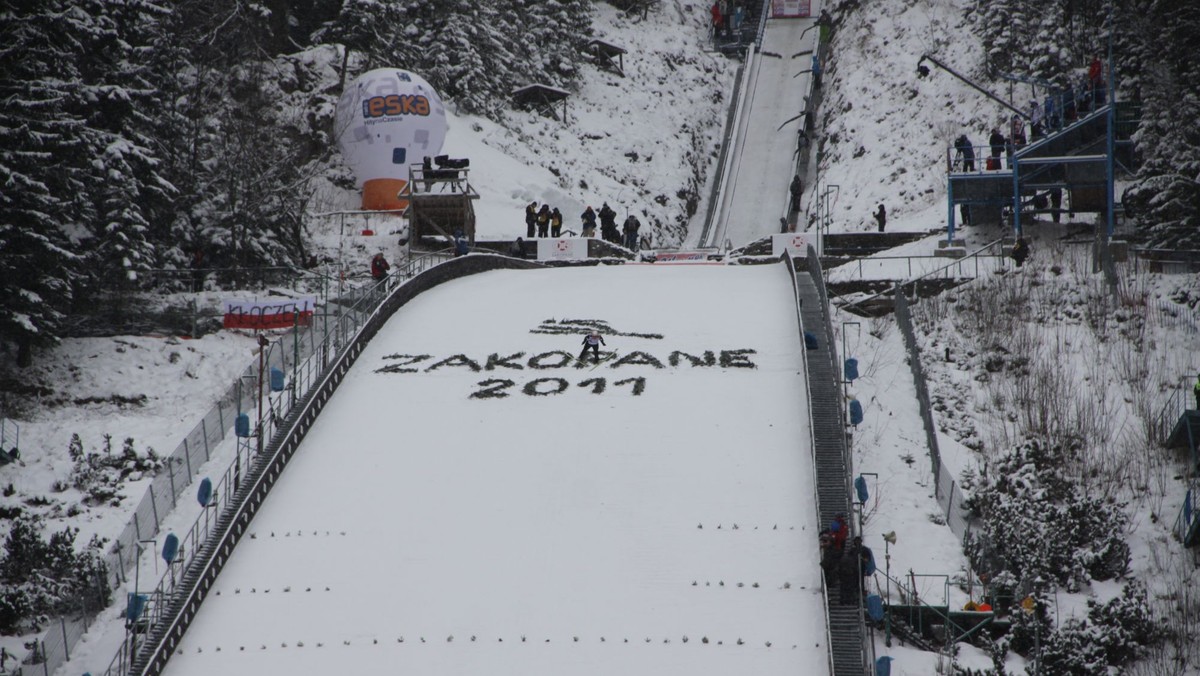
{"x": 472, "y": 499}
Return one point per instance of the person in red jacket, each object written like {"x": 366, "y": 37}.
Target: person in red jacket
{"x": 718, "y": 22}
{"x": 379, "y": 267}
{"x": 840, "y": 530}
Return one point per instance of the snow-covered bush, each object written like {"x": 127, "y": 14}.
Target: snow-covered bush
{"x": 1035, "y": 524}
{"x": 100, "y": 477}
{"x": 1113, "y": 634}
{"x": 39, "y": 579}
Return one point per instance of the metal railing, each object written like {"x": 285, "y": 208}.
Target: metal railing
{"x": 982, "y": 251}
{"x": 168, "y": 608}
{"x": 958, "y": 269}
{"x": 332, "y": 330}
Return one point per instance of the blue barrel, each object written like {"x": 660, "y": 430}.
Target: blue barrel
{"x": 134, "y": 606}
{"x": 856, "y": 412}
{"x": 851, "y": 369}
{"x": 883, "y": 666}
{"x": 276, "y": 379}
{"x": 204, "y": 494}
{"x": 860, "y": 488}
{"x": 875, "y": 607}
{"x": 170, "y": 548}
{"x": 810, "y": 340}
{"x": 241, "y": 426}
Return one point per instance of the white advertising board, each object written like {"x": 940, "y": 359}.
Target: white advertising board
{"x": 562, "y": 249}
{"x": 795, "y": 242}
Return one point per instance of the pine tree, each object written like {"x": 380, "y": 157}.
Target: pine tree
{"x": 40, "y": 147}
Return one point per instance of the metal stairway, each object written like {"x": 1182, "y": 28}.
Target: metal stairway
{"x": 832, "y": 458}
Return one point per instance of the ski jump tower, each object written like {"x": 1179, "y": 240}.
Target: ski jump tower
{"x": 441, "y": 201}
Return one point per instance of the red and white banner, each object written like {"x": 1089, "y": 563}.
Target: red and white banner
{"x": 268, "y": 314}
{"x": 797, "y": 243}
{"x": 564, "y": 249}
{"x": 790, "y": 9}
{"x": 681, "y": 257}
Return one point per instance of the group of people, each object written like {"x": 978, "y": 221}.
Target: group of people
{"x": 626, "y": 235}
{"x": 543, "y": 222}
{"x": 1051, "y": 115}
{"x": 844, "y": 560}
{"x": 727, "y": 16}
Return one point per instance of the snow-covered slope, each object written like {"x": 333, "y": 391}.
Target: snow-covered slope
{"x": 472, "y": 496}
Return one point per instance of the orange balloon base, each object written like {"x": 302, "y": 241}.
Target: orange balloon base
{"x": 382, "y": 194}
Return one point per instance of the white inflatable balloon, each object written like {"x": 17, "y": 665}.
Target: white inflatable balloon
{"x": 388, "y": 119}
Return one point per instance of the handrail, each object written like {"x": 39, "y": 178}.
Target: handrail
{"x": 289, "y": 433}
{"x": 957, "y": 261}
{"x": 725, "y": 159}
{"x": 790, "y": 262}
{"x": 920, "y": 603}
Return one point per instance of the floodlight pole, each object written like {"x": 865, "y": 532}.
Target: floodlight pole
{"x": 263, "y": 342}
{"x": 887, "y": 617}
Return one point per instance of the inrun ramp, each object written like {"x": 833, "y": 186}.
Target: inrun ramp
{"x": 756, "y": 184}
{"x": 472, "y": 500}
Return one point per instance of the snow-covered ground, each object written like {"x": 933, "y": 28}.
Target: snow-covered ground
{"x": 523, "y": 511}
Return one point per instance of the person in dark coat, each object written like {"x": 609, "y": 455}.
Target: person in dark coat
{"x": 608, "y": 218}
{"x": 517, "y": 249}
{"x": 589, "y": 222}
{"x": 849, "y": 577}
{"x": 632, "y": 224}
{"x": 1056, "y": 203}
{"x": 796, "y": 189}
{"x": 461, "y": 246}
{"x": 829, "y": 558}
{"x": 379, "y": 267}
{"x": 555, "y": 223}
{"x": 1196, "y": 390}
{"x": 530, "y": 219}
{"x": 1020, "y": 251}
{"x": 881, "y": 217}
{"x": 543, "y": 221}
{"x": 996, "y": 141}
{"x": 866, "y": 558}
{"x": 965, "y": 153}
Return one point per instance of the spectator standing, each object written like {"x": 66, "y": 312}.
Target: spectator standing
{"x": 840, "y": 530}
{"x": 881, "y": 217}
{"x": 461, "y": 246}
{"x": 1096, "y": 72}
{"x": 379, "y": 267}
{"x": 1196, "y": 390}
{"x": 631, "y": 227}
{"x": 1056, "y": 203}
{"x": 849, "y": 577}
{"x": 555, "y": 223}
{"x": 530, "y": 218}
{"x": 997, "y": 142}
{"x": 829, "y": 558}
{"x": 966, "y": 153}
{"x": 1035, "y": 120}
{"x": 1016, "y": 131}
{"x": 517, "y": 249}
{"x": 717, "y": 20}
{"x": 589, "y": 222}
{"x": 739, "y": 15}
{"x": 543, "y": 221}
{"x": 796, "y": 189}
